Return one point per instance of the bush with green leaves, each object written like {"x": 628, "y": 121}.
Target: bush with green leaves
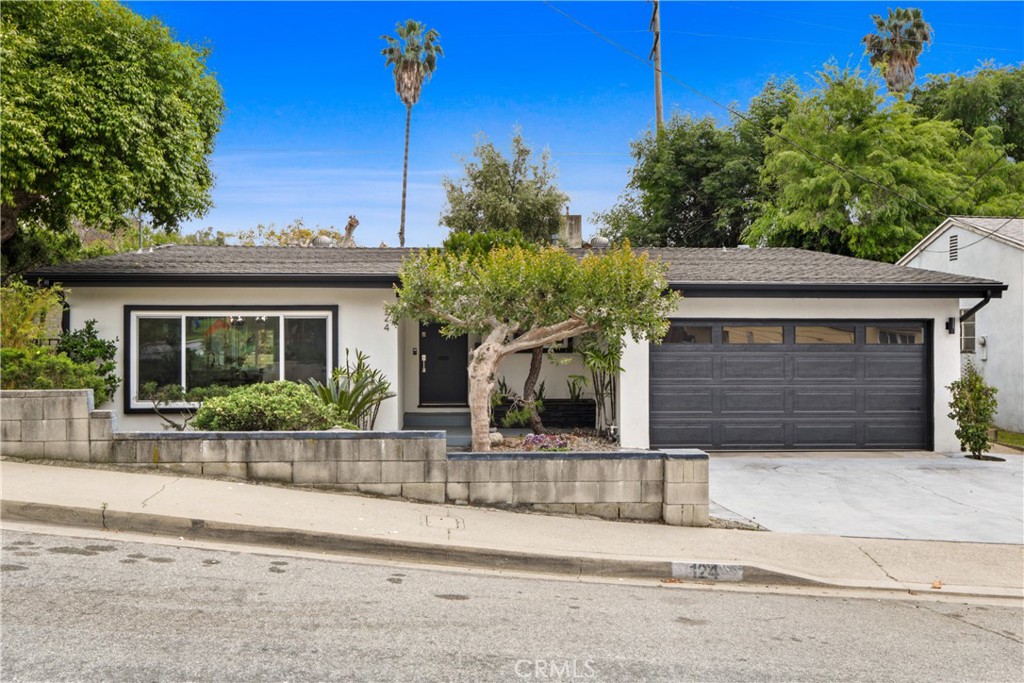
{"x": 354, "y": 392}
{"x": 175, "y": 406}
{"x": 86, "y": 346}
{"x": 27, "y": 313}
{"x": 40, "y": 368}
{"x": 973, "y": 406}
{"x": 278, "y": 406}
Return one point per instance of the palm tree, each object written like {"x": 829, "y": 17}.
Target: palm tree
{"x": 895, "y": 46}
{"x": 413, "y": 55}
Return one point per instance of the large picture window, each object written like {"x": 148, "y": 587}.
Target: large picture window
{"x": 196, "y": 349}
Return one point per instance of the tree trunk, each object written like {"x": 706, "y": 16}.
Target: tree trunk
{"x": 482, "y": 364}
{"x": 9, "y": 213}
{"x": 530, "y": 390}
{"x": 405, "y": 175}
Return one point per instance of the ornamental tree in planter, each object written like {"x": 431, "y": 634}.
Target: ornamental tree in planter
{"x": 518, "y": 299}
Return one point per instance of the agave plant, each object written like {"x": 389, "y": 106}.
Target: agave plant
{"x": 355, "y": 391}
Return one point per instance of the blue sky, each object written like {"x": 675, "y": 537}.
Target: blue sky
{"x": 314, "y": 130}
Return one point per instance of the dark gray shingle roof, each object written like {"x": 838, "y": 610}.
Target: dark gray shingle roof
{"x": 770, "y": 269}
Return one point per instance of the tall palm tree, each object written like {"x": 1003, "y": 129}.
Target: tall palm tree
{"x": 413, "y": 56}
{"x": 896, "y": 44}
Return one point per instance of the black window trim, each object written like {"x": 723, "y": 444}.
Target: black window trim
{"x": 185, "y": 309}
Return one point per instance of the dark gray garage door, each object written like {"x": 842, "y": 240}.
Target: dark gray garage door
{"x": 770, "y": 385}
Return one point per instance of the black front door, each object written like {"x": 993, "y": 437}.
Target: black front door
{"x": 443, "y": 363}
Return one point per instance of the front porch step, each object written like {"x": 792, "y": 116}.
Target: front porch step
{"x": 446, "y": 420}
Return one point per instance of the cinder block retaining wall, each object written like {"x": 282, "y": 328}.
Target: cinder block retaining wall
{"x": 646, "y": 485}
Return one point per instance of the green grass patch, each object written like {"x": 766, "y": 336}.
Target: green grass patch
{"x": 1008, "y": 438}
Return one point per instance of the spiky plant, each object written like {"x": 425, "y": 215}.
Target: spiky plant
{"x": 896, "y": 44}
{"x": 413, "y": 55}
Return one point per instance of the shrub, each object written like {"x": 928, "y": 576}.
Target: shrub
{"x": 180, "y": 405}
{"x": 355, "y": 391}
{"x": 973, "y": 407}
{"x": 85, "y": 346}
{"x": 43, "y": 369}
{"x": 24, "y": 313}
{"x": 279, "y": 406}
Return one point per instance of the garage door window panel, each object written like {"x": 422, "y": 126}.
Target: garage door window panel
{"x": 895, "y": 335}
{"x": 825, "y": 334}
{"x": 751, "y": 334}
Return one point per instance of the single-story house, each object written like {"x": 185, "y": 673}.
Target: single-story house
{"x": 770, "y": 349}
{"x": 992, "y": 337}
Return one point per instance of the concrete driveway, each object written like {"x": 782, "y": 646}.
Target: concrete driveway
{"x": 911, "y": 495}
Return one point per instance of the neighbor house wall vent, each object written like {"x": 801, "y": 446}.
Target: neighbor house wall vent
{"x": 954, "y": 247}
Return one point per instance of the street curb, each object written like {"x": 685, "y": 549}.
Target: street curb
{"x": 405, "y": 551}
{"x": 425, "y": 553}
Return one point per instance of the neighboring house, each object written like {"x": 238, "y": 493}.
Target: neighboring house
{"x": 772, "y": 349}
{"x": 993, "y": 336}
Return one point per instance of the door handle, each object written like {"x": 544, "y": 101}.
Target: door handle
{"x": 423, "y": 363}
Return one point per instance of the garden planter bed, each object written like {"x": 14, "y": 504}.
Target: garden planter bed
{"x": 557, "y": 413}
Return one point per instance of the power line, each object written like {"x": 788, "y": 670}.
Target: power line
{"x": 769, "y": 131}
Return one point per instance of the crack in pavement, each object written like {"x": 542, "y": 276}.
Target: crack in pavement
{"x": 879, "y": 565}
{"x": 961, "y": 620}
{"x": 159, "y": 491}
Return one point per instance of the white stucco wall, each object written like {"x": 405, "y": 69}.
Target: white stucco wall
{"x": 555, "y": 373}
{"x": 634, "y": 397}
{"x": 1001, "y": 322}
{"x": 360, "y": 326}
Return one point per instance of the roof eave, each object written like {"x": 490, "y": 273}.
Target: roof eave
{"x": 354, "y": 280}
{"x": 839, "y": 290}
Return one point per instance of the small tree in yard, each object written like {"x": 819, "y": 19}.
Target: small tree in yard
{"x": 973, "y": 407}
{"x": 518, "y": 299}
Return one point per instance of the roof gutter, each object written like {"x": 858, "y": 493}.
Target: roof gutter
{"x": 370, "y": 281}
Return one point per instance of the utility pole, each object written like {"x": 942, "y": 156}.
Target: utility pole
{"x": 659, "y": 113}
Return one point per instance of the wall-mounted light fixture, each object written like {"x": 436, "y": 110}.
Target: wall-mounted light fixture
{"x": 951, "y": 325}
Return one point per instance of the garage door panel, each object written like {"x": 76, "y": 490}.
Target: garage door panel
{"x": 810, "y": 401}
{"x": 892, "y": 436}
{"x": 681, "y": 367}
{"x": 753, "y": 367}
{"x": 871, "y": 394}
{"x": 834, "y": 367}
{"x": 893, "y": 368}
{"x": 679, "y": 434}
{"x": 750, "y": 401}
{"x": 752, "y": 434}
{"x": 888, "y": 402}
{"x": 825, "y": 434}
{"x": 693, "y": 400}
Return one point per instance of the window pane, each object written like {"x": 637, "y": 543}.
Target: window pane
{"x": 824, "y": 334}
{"x": 159, "y": 345}
{"x": 680, "y": 333}
{"x": 895, "y": 334}
{"x": 751, "y": 334}
{"x": 231, "y": 350}
{"x": 967, "y": 334}
{"x": 305, "y": 349}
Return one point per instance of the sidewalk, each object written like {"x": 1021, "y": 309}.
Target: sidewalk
{"x": 495, "y": 539}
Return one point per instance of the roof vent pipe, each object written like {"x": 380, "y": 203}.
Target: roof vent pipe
{"x": 599, "y": 242}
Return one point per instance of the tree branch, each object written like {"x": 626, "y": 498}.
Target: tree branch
{"x": 543, "y": 336}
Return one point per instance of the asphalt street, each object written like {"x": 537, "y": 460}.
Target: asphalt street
{"x": 89, "y": 609}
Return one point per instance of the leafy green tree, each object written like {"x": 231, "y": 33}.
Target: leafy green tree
{"x": 989, "y": 96}
{"x": 499, "y": 193}
{"x": 506, "y": 197}
{"x": 28, "y": 315}
{"x": 896, "y": 44}
{"x": 105, "y": 115}
{"x": 930, "y": 164}
{"x": 519, "y": 299}
{"x": 695, "y": 183}
{"x": 413, "y": 55}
